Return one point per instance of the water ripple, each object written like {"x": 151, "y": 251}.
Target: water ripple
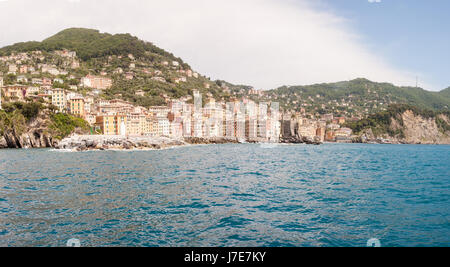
{"x": 227, "y": 195}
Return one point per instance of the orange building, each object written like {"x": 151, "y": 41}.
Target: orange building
{"x": 76, "y": 107}
{"x": 330, "y": 136}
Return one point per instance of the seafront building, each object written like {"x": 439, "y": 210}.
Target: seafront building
{"x": 112, "y": 124}
{"x": 240, "y": 119}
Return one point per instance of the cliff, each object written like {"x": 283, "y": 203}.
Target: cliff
{"x": 420, "y": 130}
{"x": 34, "y": 135}
{"x": 34, "y": 126}
{"x": 404, "y": 125}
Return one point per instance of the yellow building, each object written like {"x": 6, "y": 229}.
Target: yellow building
{"x": 149, "y": 126}
{"x": 136, "y": 124}
{"x": 112, "y": 124}
{"x": 76, "y": 107}
{"x": 15, "y": 92}
{"x": 59, "y": 99}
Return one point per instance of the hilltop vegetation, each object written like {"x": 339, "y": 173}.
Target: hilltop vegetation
{"x": 156, "y": 72}
{"x": 359, "y": 96}
{"x": 445, "y": 93}
{"x": 90, "y": 44}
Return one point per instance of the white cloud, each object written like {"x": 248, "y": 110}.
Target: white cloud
{"x": 264, "y": 43}
{"x": 374, "y": 1}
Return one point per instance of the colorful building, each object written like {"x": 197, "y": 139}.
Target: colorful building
{"x": 76, "y": 107}
{"x": 59, "y": 99}
{"x": 112, "y": 124}
{"x": 96, "y": 82}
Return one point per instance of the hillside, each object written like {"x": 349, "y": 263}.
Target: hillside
{"x": 147, "y": 75}
{"x": 89, "y": 43}
{"x": 359, "y": 96}
{"x": 154, "y": 71}
{"x": 445, "y": 93}
{"x": 404, "y": 124}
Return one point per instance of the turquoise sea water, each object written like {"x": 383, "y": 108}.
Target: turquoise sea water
{"x": 228, "y": 195}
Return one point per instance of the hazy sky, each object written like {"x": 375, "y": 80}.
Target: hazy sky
{"x": 265, "y": 43}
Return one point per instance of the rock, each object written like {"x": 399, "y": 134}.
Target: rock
{"x": 126, "y": 145}
{"x": 82, "y": 145}
{"x": 409, "y": 128}
{"x": 3, "y": 143}
{"x": 90, "y": 143}
{"x": 155, "y": 146}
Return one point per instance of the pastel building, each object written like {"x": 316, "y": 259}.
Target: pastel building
{"x": 163, "y": 126}
{"x": 197, "y": 125}
{"x": 16, "y": 92}
{"x": 112, "y": 124}
{"x": 96, "y": 82}
{"x": 59, "y": 99}
{"x": 230, "y": 121}
{"x": 137, "y": 124}
{"x": 76, "y": 107}
{"x": 187, "y": 126}
{"x": 176, "y": 128}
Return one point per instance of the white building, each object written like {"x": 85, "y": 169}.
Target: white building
{"x": 32, "y": 90}
{"x": 187, "y": 125}
{"x": 176, "y": 128}
{"x": 22, "y": 78}
{"x": 12, "y": 69}
{"x": 163, "y": 126}
{"x": 197, "y": 125}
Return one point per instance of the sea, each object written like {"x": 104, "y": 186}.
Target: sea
{"x": 232, "y": 195}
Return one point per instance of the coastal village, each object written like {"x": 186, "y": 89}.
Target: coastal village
{"x": 28, "y": 77}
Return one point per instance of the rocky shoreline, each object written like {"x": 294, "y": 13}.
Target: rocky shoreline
{"x": 78, "y": 142}
{"x": 105, "y": 142}
{"x": 300, "y": 140}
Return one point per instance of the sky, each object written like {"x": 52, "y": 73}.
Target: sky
{"x": 265, "y": 43}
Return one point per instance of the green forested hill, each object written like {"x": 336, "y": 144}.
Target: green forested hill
{"x": 90, "y": 44}
{"x": 359, "y": 95}
{"x": 445, "y": 92}
{"x": 102, "y": 52}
